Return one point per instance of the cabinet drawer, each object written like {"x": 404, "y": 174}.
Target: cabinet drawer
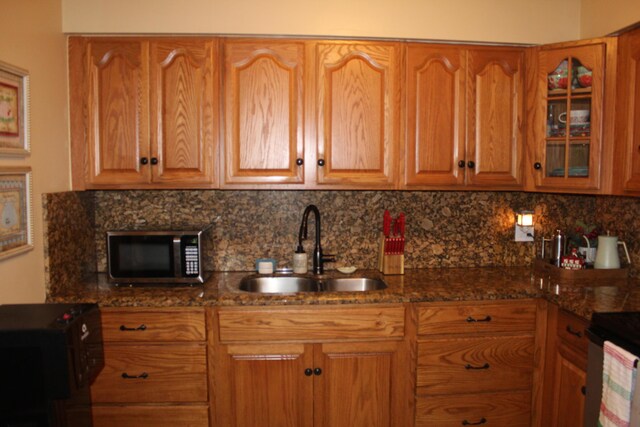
{"x": 496, "y": 409}
{"x": 122, "y": 325}
{"x": 572, "y": 330}
{"x": 162, "y": 373}
{"x": 470, "y": 365}
{"x": 152, "y": 415}
{"x": 310, "y": 324}
{"x": 471, "y": 319}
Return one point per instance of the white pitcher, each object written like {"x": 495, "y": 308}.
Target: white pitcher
{"x": 607, "y": 255}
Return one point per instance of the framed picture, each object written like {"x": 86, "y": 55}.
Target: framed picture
{"x": 14, "y": 110}
{"x": 16, "y": 234}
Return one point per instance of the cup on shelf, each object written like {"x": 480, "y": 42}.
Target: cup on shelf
{"x": 578, "y": 117}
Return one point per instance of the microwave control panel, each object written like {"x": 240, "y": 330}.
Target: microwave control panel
{"x": 191, "y": 256}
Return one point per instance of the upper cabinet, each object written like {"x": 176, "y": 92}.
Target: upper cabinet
{"x": 464, "y": 117}
{"x": 143, "y": 113}
{"x": 263, "y": 112}
{"x": 356, "y": 114}
{"x": 627, "y": 154}
{"x": 571, "y": 130}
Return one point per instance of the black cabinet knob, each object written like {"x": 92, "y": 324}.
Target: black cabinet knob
{"x": 537, "y": 166}
{"x": 299, "y": 162}
{"x": 317, "y": 371}
{"x": 477, "y": 423}
{"x": 154, "y": 161}
{"x": 471, "y": 164}
{"x": 321, "y": 162}
{"x": 144, "y": 161}
{"x": 308, "y": 372}
{"x": 461, "y": 164}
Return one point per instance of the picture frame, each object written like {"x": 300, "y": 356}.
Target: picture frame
{"x": 14, "y": 111}
{"x": 16, "y": 221}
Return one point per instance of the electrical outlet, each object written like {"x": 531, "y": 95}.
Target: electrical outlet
{"x": 524, "y": 233}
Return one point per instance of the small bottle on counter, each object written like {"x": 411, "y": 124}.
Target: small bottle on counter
{"x": 300, "y": 263}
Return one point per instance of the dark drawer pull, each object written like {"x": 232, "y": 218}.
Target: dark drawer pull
{"x": 139, "y": 328}
{"x": 469, "y": 423}
{"x": 572, "y": 332}
{"x": 143, "y": 376}
{"x": 486, "y": 319}
{"x": 468, "y": 366}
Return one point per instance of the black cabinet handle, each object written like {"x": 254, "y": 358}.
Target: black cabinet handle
{"x": 469, "y": 423}
{"x": 154, "y": 161}
{"x": 468, "y": 366}
{"x": 143, "y": 376}
{"x": 537, "y": 166}
{"x": 139, "y": 328}
{"x": 471, "y": 164}
{"x": 144, "y": 161}
{"x": 471, "y": 319}
{"x": 461, "y": 164}
{"x": 317, "y": 371}
{"x": 308, "y": 372}
{"x": 321, "y": 162}
{"x": 583, "y": 390}
{"x": 299, "y": 162}
{"x": 572, "y": 332}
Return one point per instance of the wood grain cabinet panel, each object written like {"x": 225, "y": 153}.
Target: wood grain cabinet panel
{"x": 263, "y": 112}
{"x": 156, "y": 416}
{"x": 152, "y": 325}
{"x": 357, "y": 113}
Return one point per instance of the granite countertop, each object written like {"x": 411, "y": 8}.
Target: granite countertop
{"x": 419, "y": 285}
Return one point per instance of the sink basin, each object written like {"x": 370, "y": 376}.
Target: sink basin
{"x": 353, "y": 284}
{"x": 278, "y": 284}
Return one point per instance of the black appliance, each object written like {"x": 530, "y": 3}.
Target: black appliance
{"x": 49, "y": 355}
{"x": 623, "y": 330}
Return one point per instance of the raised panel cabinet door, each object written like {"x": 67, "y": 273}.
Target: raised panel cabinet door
{"x": 355, "y": 384}
{"x": 357, "y": 113}
{"x": 495, "y": 117}
{"x": 263, "y": 112}
{"x": 568, "y": 394}
{"x": 267, "y": 385}
{"x": 117, "y": 112}
{"x": 435, "y": 138}
{"x": 184, "y": 112}
{"x": 628, "y": 122}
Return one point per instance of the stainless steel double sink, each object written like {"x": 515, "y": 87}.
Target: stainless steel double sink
{"x": 293, "y": 284}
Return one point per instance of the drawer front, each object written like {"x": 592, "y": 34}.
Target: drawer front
{"x": 470, "y": 365}
{"x": 486, "y": 409}
{"x": 572, "y": 330}
{"x": 131, "y": 325}
{"x": 156, "y": 416}
{"x": 478, "y": 318}
{"x": 310, "y": 324}
{"x": 152, "y": 373}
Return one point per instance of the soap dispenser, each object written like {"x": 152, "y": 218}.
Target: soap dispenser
{"x": 300, "y": 263}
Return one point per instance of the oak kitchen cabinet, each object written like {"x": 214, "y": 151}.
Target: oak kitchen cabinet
{"x": 477, "y": 363}
{"x": 143, "y": 112}
{"x": 572, "y": 87}
{"x": 155, "y": 369}
{"x": 464, "y": 123}
{"x": 312, "y": 366}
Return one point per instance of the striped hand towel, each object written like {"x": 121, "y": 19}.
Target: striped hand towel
{"x": 618, "y": 382}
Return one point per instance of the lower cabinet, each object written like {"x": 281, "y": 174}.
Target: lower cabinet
{"x": 155, "y": 370}
{"x": 314, "y": 366}
{"x": 565, "y": 379}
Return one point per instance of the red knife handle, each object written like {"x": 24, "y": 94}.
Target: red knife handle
{"x": 386, "y": 225}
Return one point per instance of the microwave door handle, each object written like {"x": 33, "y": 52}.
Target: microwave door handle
{"x": 177, "y": 257}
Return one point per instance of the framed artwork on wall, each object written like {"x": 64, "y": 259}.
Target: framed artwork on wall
{"x": 16, "y": 234}
{"x": 14, "y": 110}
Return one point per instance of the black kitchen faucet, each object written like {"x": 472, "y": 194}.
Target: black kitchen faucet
{"x": 318, "y": 258}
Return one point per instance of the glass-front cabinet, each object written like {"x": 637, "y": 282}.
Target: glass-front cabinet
{"x": 568, "y": 138}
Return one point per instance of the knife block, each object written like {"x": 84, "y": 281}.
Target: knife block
{"x": 389, "y": 263}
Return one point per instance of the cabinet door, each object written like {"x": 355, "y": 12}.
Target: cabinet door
{"x": 117, "y": 133}
{"x": 263, "y": 112}
{"x": 356, "y": 385}
{"x": 569, "y": 381}
{"x": 184, "y": 111}
{"x": 264, "y": 385}
{"x": 628, "y": 118}
{"x": 495, "y": 117}
{"x": 357, "y": 113}
{"x": 435, "y": 140}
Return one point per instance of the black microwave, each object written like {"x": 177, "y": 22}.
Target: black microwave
{"x": 171, "y": 257}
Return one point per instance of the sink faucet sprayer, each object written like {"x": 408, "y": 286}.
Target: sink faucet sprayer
{"x": 318, "y": 258}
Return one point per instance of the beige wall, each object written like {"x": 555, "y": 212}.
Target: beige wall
{"x": 507, "y": 21}
{"x": 600, "y": 17}
{"x": 31, "y": 38}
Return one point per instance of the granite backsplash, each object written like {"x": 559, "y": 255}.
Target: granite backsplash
{"x": 444, "y": 229}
